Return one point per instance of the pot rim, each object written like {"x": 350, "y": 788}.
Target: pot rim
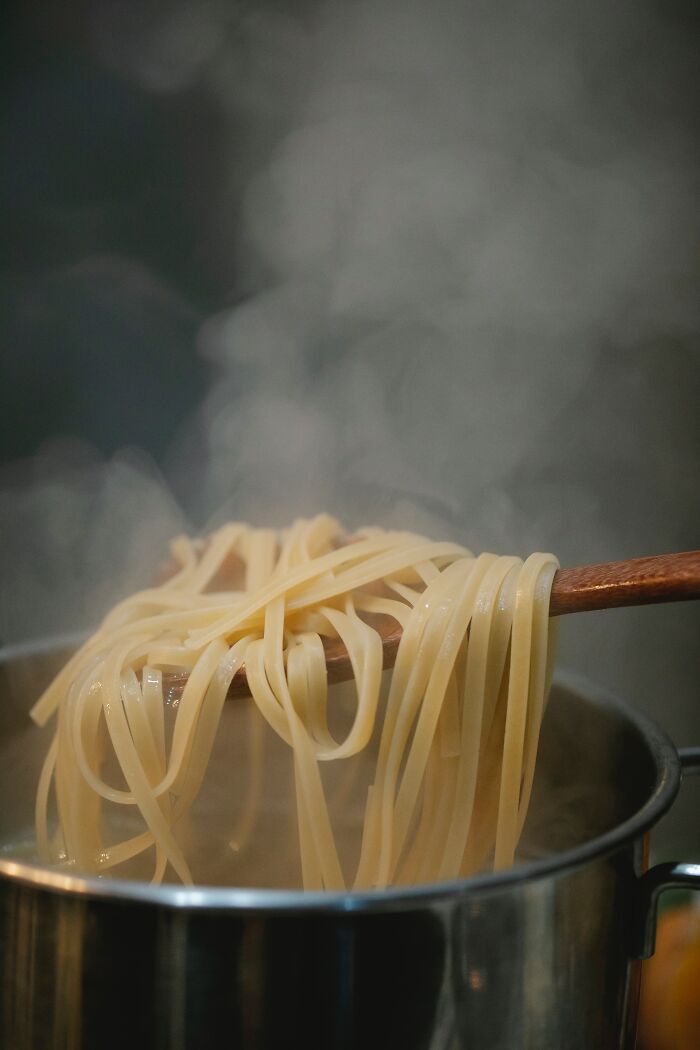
{"x": 228, "y": 898}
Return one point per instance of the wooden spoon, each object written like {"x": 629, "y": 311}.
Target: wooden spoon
{"x": 640, "y": 581}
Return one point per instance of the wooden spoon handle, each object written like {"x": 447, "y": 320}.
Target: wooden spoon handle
{"x": 640, "y": 581}
{"x": 610, "y": 585}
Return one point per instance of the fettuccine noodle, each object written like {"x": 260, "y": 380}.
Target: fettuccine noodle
{"x": 454, "y": 727}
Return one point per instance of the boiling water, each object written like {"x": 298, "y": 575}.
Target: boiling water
{"x": 242, "y": 828}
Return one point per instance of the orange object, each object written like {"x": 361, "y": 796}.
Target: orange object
{"x": 669, "y": 1013}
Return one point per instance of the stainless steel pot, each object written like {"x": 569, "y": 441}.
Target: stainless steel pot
{"x": 544, "y": 956}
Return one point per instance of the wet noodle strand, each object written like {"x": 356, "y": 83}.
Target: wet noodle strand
{"x": 452, "y": 730}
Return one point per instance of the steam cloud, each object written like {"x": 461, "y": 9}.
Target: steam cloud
{"x": 463, "y": 240}
{"x": 467, "y": 227}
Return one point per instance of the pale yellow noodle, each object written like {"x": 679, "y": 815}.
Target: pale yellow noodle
{"x": 527, "y": 595}
{"x": 451, "y": 748}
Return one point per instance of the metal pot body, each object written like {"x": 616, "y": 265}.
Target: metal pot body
{"x": 546, "y": 955}
{"x": 542, "y": 963}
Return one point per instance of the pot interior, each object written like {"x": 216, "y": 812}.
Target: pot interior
{"x": 597, "y": 767}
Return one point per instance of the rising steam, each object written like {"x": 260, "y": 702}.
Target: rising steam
{"x": 463, "y": 262}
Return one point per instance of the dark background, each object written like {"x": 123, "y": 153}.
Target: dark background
{"x": 93, "y": 167}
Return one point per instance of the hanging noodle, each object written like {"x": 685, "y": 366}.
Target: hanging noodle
{"x": 455, "y": 738}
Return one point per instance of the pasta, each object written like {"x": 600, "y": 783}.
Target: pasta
{"x": 452, "y": 730}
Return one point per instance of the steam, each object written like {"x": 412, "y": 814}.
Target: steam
{"x": 460, "y": 237}
{"x": 79, "y": 533}
{"x": 462, "y": 248}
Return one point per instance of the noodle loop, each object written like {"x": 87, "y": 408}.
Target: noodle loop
{"x": 453, "y": 730}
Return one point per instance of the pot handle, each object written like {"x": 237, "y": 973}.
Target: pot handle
{"x": 667, "y": 876}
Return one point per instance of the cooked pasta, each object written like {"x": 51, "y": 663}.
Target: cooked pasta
{"x": 452, "y": 730}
